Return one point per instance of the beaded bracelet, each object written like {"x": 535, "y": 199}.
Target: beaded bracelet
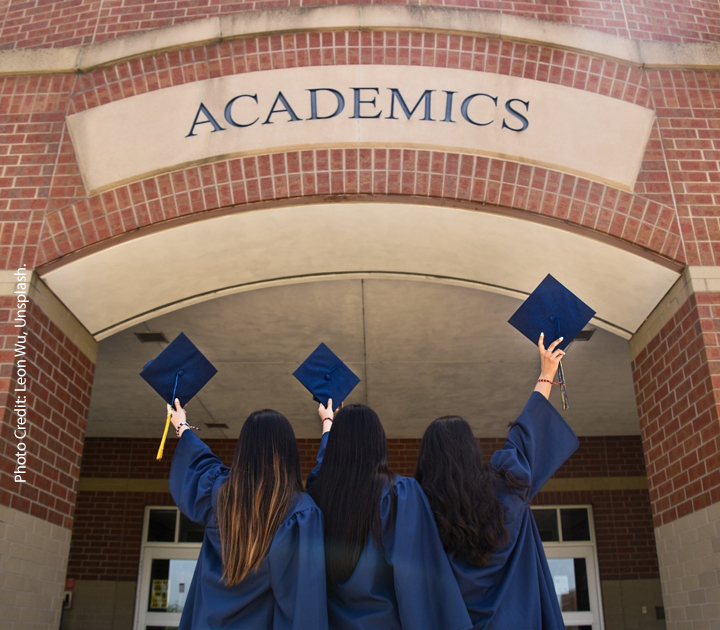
{"x": 545, "y": 380}
{"x": 185, "y": 424}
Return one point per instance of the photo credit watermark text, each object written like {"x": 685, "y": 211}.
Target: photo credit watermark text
{"x": 21, "y": 382}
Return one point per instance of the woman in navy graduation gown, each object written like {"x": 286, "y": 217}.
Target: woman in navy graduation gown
{"x": 261, "y": 564}
{"x": 483, "y": 512}
{"x": 386, "y": 567}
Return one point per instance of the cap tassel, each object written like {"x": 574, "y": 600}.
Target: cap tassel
{"x": 560, "y": 372}
{"x": 162, "y": 442}
{"x": 167, "y": 420}
{"x": 563, "y": 389}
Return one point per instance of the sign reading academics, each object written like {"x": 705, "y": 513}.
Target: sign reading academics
{"x": 529, "y": 121}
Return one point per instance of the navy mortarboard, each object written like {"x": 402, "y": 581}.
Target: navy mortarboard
{"x": 554, "y": 310}
{"x": 325, "y": 376}
{"x": 179, "y": 371}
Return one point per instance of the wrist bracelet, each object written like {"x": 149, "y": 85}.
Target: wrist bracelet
{"x": 327, "y": 420}
{"x": 545, "y": 380}
{"x": 185, "y": 424}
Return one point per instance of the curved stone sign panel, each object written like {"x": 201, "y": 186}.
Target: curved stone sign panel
{"x": 529, "y": 121}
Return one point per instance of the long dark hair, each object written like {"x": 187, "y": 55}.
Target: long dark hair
{"x": 349, "y": 486}
{"x": 251, "y": 504}
{"x": 462, "y": 490}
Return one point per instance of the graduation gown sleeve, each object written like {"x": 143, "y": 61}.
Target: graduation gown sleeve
{"x": 193, "y": 473}
{"x": 297, "y": 572}
{"x": 538, "y": 443}
{"x": 427, "y": 593}
{"x": 318, "y": 461}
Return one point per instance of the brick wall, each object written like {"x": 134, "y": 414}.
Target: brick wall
{"x": 47, "y": 23}
{"x": 134, "y": 458}
{"x": 676, "y": 384}
{"x": 31, "y": 128}
{"x": 107, "y": 534}
{"x": 59, "y": 383}
{"x": 108, "y": 526}
{"x": 688, "y": 115}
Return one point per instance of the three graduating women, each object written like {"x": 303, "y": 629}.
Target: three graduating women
{"x": 265, "y": 560}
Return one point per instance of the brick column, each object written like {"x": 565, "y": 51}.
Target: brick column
{"x": 676, "y": 368}
{"x": 47, "y": 362}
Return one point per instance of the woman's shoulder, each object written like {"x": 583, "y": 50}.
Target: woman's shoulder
{"x": 301, "y": 504}
{"x": 303, "y": 515}
{"x": 406, "y": 483}
{"x": 401, "y": 487}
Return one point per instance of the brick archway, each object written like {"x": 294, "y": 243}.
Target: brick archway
{"x": 403, "y": 175}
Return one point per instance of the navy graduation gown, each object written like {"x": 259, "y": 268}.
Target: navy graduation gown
{"x": 286, "y": 592}
{"x": 408, "y": 584}
{"x": 515, "y": 590}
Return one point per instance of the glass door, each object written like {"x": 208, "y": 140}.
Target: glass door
{"x": 171, "y": 545}
{"x": 575, "y": 586}
{"x": 568, "y": 538}
{"x": 164, "y": 583}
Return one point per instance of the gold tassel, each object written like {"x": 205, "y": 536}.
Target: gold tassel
{"x": 162, "y": 443}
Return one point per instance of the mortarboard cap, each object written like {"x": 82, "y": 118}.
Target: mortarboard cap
{"x": 325, "y": 375}
{"x": 179, "y": 371}
{"x": 554, "y": 310}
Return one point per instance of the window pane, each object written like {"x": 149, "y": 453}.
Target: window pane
{"x": 189, "y": 531}
{"x": 547, "y": 525}
{"x": 575, "y": 524}
{"x": 571, "y": 584}
{"x": 181, "y": 573}
{"x": 161, "y": 526}
{"x": 157, "y": 602}
{"x": 169, "y": 584}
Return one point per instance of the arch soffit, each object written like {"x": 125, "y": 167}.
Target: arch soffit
{"x": 159, "y": 271}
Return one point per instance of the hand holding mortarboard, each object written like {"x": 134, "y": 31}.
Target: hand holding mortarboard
{"x": 179, "y": 372}
{"x": 556, "y": 313}
{"x": 326, "y": 377}
{"x": 327, "y": 415}
{"x": 550, "y": 358}
{"x": 178, "y": 417}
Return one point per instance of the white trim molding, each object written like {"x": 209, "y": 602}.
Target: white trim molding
{"x": 76, "y": 59}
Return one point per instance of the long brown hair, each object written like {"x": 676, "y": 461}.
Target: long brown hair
{"x": 463, "y": 491}
{"x": 254, "y": 500}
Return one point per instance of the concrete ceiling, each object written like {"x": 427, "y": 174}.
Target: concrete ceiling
{"x": 422, "y": 349}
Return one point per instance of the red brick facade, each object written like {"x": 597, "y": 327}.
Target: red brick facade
{"x": 59, "y": 380}
{"x": 107, "y": 534}
{"x": 677, "y": 379}
{"x": 81, "y": 22}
